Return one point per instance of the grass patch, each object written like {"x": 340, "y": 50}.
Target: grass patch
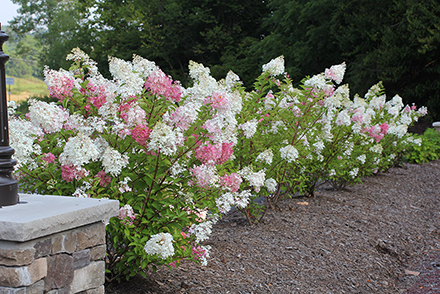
{"x": 30, "y": 86}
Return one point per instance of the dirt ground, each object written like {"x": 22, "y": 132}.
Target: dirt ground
{"x": 382, "y": 236}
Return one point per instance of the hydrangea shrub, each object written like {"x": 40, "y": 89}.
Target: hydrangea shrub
{"x": 178, "y": 158}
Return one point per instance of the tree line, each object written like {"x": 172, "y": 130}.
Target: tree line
{"x": 396, "y": 41}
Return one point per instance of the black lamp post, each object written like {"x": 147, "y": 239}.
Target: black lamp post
{"x": 8, "y": 185}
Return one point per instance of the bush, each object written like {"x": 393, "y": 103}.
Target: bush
{"x": 177, "y": 159}
{"x": 426, "y": 149}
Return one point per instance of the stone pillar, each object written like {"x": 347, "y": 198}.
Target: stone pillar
{"x": 54, "y": 245}
{"x": 436, "y": 125}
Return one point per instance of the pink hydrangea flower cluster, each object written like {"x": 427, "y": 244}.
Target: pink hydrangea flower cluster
{"x": 217, "y": 101}
{"x": 377, "y": 131}
{"x": 160, "y": 84}
{"x": 48, "y": 157}
{"x": 104, "y": 178}
{"x": 96, "y": 95}
{"x": 183, "y": 116}
{"x": 126, "y": 214}
{"x": 124, "y": 107}
{"x": 141, "y": 134}
{"x": 198, "y": 252}
{"x": 59, "y": 84}
{"x": 204, "y": 175}
{"x": 217, "y": 153}
{"x": 232, "y": 181}
{"x": 201, "y": 214}
{"x": 72, "y": 172}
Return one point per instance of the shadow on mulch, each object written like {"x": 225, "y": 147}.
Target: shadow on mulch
{"x": 137, "y": 284}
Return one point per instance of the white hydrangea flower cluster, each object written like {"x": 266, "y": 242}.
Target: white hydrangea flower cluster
{"x": 341, "y": 97}
{"x": 319, "y": 82}
{"x": 77, "y": 54}
{"x": 79, "y": 150}
{"x": 265, "y": 156}
{"x": 80, "y": 192}
{"x": 377, "y": 102}
{"x": 202, "y": 230}
{"x": 398, "y": 130}
{"x": 249, "y": 128}
{"x": 177, "y": 169}
{"x": 160, "y": 244}
{"x": 348, "y": 150}
{"x": 242, "y": 199}
{"x": 343, "y": 118}
{"x": 135, "y": 116}
{"x": 222, "y": 126}
{"x": 47, "y": 116}
{"x": 12, "y": 106}
{"x": 255, "y": 179}
{"x": 289, "y": 153}
{"x": 231, "y": 80}
{"x": 86, "y": 126}
{"x": 397, "y": 102}
{"x": 143, "y": 67}
{"x": 271, "y": 185}
{"x": 362, "y": 158}
{"x": 128, "y": 82}
{"x": 376, "y": 148}
{"x": 165, "y": 139}
{"x": 353, "y": 173}
{"x": 239, "y": 199}
{"x": 204, "y": 261}
{"x": 319, "y": 146}
{"x": 204, "y": 83}
{"x": 405, "y": 119}
{"x": 22, "y": 135}
{"x": 275, "y": 67}
{"x": 113, "y": 161}
{"x": 373, "y": 91}
{"x": 412, "y": 140}
{"x": 336, "y": 73}
{"x": 224, "y": 202}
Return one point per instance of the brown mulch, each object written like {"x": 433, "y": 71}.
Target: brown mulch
{"x": 382, "y": 236}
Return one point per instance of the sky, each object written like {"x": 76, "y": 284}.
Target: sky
{"x": 7, "y": 11}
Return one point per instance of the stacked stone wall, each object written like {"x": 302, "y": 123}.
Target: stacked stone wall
{"x": 66, "y": 262}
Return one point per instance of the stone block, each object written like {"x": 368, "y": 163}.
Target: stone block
{"x": 64, "y": 242}
{"x": 98, "y": 252}
{"x": 16, "y": 256}
{"x": 99, "y": 290}
{"x": 81, "y": 258}
{"x": 37, "y": 288}
{"x": 59, "y": 271}
{"x": 43, "y": 248}
{"x": 6, "y": 290}
{"x": 90, "y": 236}
{"x": 38, "y": 216}
{"x": 65, "y": 290}
{"x": 89, "y": 277}
{"x": 23, "y": 276}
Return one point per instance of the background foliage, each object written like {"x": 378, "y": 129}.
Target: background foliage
{"x": 396, "y": 41}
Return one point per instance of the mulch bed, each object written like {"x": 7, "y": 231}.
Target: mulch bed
{"x": 382, "y": 236}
